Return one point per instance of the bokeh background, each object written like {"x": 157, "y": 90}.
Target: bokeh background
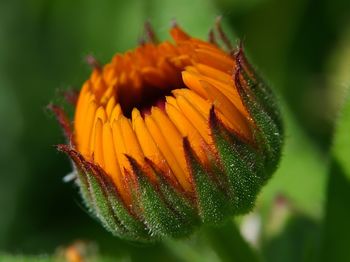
{"x": 301, "y": 47}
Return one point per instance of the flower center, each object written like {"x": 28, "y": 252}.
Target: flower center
{"x": 148, "y": 86}
{"x": 141, "y": 78}
{"x": 151, "y": 97}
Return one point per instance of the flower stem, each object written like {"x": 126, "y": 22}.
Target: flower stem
{"x": 228, "y": 243}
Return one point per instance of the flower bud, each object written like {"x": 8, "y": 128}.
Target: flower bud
{"x": 169, "y": 136}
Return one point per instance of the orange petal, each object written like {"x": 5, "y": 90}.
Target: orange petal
{"x": 99, "y": 115}
{"x": 230, "y": 92}
{"x": 94, "y": 75}
{"x": 172, "y": 137}
{"x": 154, "y": 78}
{"x": 188, "y": 130}
{"x": 99, "y": 86}
{"x": 98, "y": 150}
{"x": 116, "y": 113}
{"x": 82, "y": 105}
{"x": 148, "y": 146}
{"x": 167, "y": 49}
{"x": 181, "y": 61}
{"x": 178, "y": 34}
{"x": 87, "y": 128}
{"x": 119, "y": 146}
{"x": 80, "y": 115}
{"x": 172, "y": 101}
{"x": 109, "y": 73}
{"x": 110, "y": 159}
{"x": 166, "y": 152}
{"x": 108, "y": 93}
{"x": 191, "y": 80}
{"x": 202, "y": 105}
{"x": 132, "y": 145}
{"x": 235, "y": 120}
{"x": 214, "y": 73}
{"x": 215, "y": 59}
{"x": 110, "y": 106}
{"x": 192, "y": 114}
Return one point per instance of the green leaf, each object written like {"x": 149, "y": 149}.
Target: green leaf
{"x": 336, "y": 238}
{"x": 27, "y": 258}
{"x": 298, "y": 241}
{"x": 302, "y": 172}
{"x": 341, "y": 143}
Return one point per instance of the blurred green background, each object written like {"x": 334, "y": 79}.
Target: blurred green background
{"x": 301, "y": 47}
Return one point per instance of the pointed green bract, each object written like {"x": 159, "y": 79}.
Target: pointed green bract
{"x": 179, "y": 203}
{"x": 211, "y": 200}
{"x": 262, "y": 93}
{"x": 136, "y": 229}
{"x": 84, "y": 189}
{"x": 268, "y": 132}
{"x": 160, "y": 217}
{"x": 101, "y": 207}
{"x": 103, "y": 201}
{"x": 242, "y": 167}
{"x": 79, "y": 170}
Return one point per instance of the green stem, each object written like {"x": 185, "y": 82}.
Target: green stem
{"x": 228, "y": 243}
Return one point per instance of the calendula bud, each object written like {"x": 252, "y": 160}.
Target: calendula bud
{"x": 172, "y": 135}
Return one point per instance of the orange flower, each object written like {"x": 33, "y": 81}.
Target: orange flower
{"x": 144, "y": 102}
{"x": 162, "y": 113}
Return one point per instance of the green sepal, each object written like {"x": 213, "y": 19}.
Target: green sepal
{"x": 136, "y": 229}
{"x": 102, "y": 199}
{"x": 211, "y": 199}
{"x": 242, "y": 166}
{"x": 161, "y": 219}
{"x": 268, "y": 132}
{"x": 262, "y": 93}
{"x": 101, "y": 206}
{"x": 81, "y": 180}
{"x": 178, "y": 201}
